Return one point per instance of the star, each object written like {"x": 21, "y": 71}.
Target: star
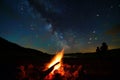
{"x": 89, "y": 42}
{"x": 96, "y": 38}
{"x": 94, "y": 31}
{"x": 90, "y": 38}
{"x": 49, "y": 28}
{"x": 97, "y": 15}
{"x": 21, "y": 8}
{"x": 61, "y": 36}
{"x": 31, "y": 27}
{"x": 111, "y": 6}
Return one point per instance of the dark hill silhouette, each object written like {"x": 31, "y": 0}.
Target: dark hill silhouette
{"x": 109, "y": 53}
{"x": 12, "y": 55}
{"x": 9, "y": 48}
{"x": 11, "y": 52}
{"x": 99, "y": 65}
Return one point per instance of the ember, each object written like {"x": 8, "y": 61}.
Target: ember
{"x": 62, "y": 71}
{"x": 54, "y": 70}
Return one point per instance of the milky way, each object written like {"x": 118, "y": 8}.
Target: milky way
{"x": 50, "y": 25}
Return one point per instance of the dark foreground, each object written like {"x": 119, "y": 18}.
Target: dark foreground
{"x": 99, "y": 66}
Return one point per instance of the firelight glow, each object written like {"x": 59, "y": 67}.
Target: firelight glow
{"x": 57, "y": 58}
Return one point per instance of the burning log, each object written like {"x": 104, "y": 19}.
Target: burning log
{"x": 56, "y": 70}
{"x": 57, "y": 58}
{"x": 45, "y": 73}
{"x": 60, "y": 71}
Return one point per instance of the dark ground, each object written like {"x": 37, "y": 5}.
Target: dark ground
{"x": 100, "y": 66}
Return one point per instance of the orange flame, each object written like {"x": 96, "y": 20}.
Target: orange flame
{"x": 65, "y": 71}
{"x": 57, "y": 58}
{"x": 60, "y": 70}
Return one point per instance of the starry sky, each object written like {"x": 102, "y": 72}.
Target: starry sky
{"x": 50, "y": 25}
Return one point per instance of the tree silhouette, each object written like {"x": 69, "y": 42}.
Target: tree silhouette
{"x": 104, "y": 47}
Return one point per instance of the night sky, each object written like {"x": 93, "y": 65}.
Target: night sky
{"x": 50, "y": 25}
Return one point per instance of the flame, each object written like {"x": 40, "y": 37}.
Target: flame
{"x": 60, "y": 70}
{"x": 57, "y": 58}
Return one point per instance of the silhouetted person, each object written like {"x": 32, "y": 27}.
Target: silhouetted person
{"x": 98, "y": 50}
{"x": 104, "y": 47}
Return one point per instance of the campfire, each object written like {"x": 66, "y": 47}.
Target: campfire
{"x": 56, "y": 59}
{"x": 61, "y": 70}
{"x": 56, "y": 69}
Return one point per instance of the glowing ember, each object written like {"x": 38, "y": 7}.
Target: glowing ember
{"x": 54, "y": 70}
{"x": 62, "y": 71}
